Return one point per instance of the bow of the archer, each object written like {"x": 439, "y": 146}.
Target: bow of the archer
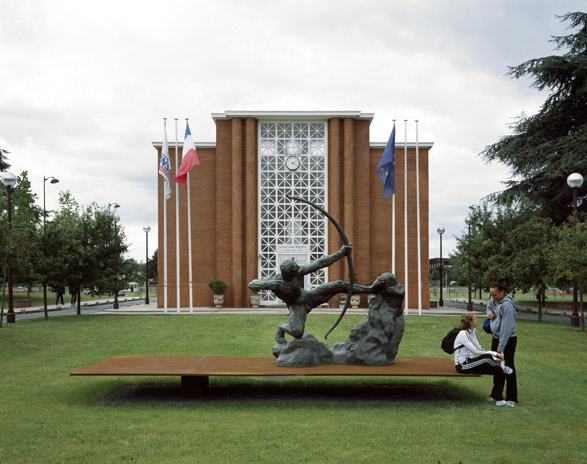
{"x": 345, "y": 240}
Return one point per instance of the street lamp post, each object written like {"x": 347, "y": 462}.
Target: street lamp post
{"x": 441, "y": 231}
{"x": 53, "y": 181}
{"x": 116, "y": 219}
{"x": 147, "y": 229}
{"x": 9, "y": 181}
{"x": 575, "y": 181}
{"x": 470, "y": 303}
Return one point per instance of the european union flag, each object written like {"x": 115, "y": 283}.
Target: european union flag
{"x": 386, "y": 168}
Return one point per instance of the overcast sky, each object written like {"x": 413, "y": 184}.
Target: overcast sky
{"x": 84, "y": 85}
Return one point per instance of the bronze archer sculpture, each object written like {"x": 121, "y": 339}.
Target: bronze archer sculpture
{"x": 372, "y": 342}
{"x": 289, "y": 287}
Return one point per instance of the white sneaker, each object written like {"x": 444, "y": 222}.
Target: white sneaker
{"x": 507, "y": 370}
{"x": 501, "y": 403}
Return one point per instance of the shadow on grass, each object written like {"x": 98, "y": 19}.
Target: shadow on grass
{"x": 229, "y": 390}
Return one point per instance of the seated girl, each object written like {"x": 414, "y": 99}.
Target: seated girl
{"x": 466, "y": 343}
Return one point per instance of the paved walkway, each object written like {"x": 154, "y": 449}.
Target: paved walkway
{"x": 85, "y": 304}
{"x": 480, "y": 305}
{"x": 452, "y": 307}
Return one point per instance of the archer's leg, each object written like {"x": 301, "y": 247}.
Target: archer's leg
{"x": 280, "y": 334}
{"x": 296, "y": 326}
{"x": 324, "y": 292}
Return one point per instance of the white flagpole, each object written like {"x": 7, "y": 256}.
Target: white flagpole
{"x": 165, "y": 232}
{"x": 406, "y": 211}
{"x": 393, "y": 219}
{"x": 418, "y": 222}
{"x": 190, "y": 240}
{"x": 177, "y": 260}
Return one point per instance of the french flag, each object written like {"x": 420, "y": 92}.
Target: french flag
{"x": 190, "y": 157}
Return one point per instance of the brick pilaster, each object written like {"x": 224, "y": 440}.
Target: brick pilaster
{"x": 334, "y": 198}
{"x": 250, "y": 206}
{"x": 237, "y": 212}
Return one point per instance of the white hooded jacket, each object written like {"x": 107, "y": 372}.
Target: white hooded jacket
{"x": 466, "y": 344}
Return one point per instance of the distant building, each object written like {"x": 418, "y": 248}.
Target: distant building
{"x": 434, "y": 263}
{"x": 243, "y": 227}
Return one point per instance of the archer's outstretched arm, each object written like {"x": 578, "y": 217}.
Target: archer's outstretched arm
{"x": 326, "y": 260}
{"x": 268, "y": 283}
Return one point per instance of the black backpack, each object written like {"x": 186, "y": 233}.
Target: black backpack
{"x": 448, "y": 342}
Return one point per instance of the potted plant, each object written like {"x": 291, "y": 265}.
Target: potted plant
{"x": 255, "y": 298}
{"x": 355, "y": 301}
{"x": 218, "y": 288}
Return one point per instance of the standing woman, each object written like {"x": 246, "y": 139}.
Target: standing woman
{"x": 501, "y": 310}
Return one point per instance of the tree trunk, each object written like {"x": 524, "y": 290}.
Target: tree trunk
{"x": 2, "y": 309}
{"x": 45, "y": 310}
{"x": 582, "y": 315}
{"x": 540, "y": 292}
{"x": 79, "y": 300}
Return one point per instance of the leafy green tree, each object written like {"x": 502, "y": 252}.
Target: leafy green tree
{"x": 104, "y": 245}
{"x": 531, "y": 242}
{"x": 19, "y": 248}
{"x": 84, "y": 248}
{"x": 506, "y": 242}
{"x": 569, "y": 255}
{"x": 482, "y": 244}
{"x": 460, "y": 266}
{"x": 154, "y": 267}
{"x": 133, "y": 271}
{"x": 63, "y": 245}
{"x": 548, "y": 146}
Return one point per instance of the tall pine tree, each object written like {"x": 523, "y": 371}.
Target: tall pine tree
{"x": 3, "y": 161}
{"x": 548, "y": 146}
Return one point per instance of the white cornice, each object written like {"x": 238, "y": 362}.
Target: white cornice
{"x": 180, "y": 144}
{"x": 400, "y": 145}
{"x": 292, "y": 115}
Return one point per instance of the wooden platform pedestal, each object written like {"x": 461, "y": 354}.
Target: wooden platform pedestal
{"x": 195, "y": 371}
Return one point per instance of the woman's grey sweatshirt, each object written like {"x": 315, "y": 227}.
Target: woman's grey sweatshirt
{"x": 504, "y": 325}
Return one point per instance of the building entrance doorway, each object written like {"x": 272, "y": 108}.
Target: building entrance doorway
{"x": 292, "y": 161}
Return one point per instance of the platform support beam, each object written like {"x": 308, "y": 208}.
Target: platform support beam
{"x": 194, "y": 386}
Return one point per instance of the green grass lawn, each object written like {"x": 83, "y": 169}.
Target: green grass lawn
{"x": 48, "y": 416}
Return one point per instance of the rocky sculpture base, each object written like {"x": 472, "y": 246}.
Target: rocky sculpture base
{"x": 307, "y": 351}
{"x": 372, "y": 342}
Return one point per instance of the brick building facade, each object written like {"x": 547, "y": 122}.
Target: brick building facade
{"x": 242, "y": 225}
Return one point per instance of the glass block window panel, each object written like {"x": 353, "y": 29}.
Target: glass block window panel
{"x": 282, "y": 221}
